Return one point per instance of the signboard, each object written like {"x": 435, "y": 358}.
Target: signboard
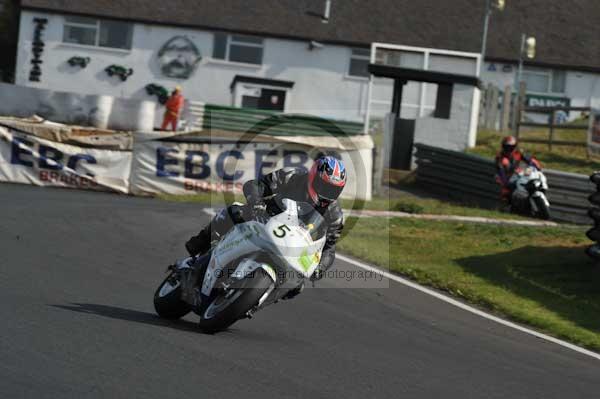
{"x": 538, "y": 100}
{"x": 176, "y": 167}
{"x": 187, "y": 168}
{"x": 29, "y": 159}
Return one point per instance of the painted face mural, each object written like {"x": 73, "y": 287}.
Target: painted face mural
{"x": 179, "y": 57}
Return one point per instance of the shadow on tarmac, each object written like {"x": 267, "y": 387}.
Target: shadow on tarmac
{"x": 114, "y": 312}
{"x": 561, "y": 279}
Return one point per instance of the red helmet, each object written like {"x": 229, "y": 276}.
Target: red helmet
{"x": 326, "y": 180}
{"x": 509, "y": 143}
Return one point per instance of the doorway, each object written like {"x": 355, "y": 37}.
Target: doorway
{"x": 267, "y": 99}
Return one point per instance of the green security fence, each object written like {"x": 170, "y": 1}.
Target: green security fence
{"x": 274, "y": 123}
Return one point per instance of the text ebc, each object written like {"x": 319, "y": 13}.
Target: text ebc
{"x": 196, "y": 163}
{"x": 49, "y": 157}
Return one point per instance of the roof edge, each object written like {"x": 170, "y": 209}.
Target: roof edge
{"x": 541, "y": 64}
{"x": 570, "y": 67}
{"x": 204, "y": 27}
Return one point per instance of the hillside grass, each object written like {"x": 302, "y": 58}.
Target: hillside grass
{"x": 539, "y": 277}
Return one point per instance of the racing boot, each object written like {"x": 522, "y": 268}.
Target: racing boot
{"x": 218, "y": 226}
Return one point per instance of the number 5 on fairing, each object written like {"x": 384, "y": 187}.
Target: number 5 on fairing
{"x": 280, "y": 231}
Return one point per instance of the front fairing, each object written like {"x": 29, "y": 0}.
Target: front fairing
{"x": 285, "y": 240}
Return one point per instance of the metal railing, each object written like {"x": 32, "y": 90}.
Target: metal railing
{"x": 552, "y": 126}
{"x": 470, "y": 179}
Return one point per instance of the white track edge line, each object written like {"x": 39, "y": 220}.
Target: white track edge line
{"x": 468, "y": 308}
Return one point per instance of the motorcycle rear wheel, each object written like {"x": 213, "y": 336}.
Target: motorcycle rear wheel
{"x": 167, "y": 299}
{"x": 229, "y": 306}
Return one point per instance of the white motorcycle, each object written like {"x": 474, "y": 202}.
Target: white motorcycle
{"x": 254, "y": 265}
{"x": 529, "y": 193}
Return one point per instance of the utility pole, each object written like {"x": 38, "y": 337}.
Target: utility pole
{"x": 489, "y": 6}
{"x": 527, "y": 49}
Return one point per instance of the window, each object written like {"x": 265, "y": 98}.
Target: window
{"x": 94, "y": 32}
{"x": 558, "y": 81}
{"x": 544, "y": 80}
{"x": 238, "y": 48}
{"x": 359, "y": 61}
{"x": 400, "y": 58}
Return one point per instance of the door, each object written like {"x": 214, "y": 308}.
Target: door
{"x": 402, "y": 145}
{"x": 273, "y": 100}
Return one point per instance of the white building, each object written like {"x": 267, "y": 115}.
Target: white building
{"x": 305, "y": 56}
{"x": 230, "y": 69}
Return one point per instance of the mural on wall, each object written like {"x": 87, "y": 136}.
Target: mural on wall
{"x": 81, "y": 62}
{"x": 37, "y": 48}
{"x": 120, "y": 71}
{"x": 158, "y": 91}
{"x": 179, "y": 57}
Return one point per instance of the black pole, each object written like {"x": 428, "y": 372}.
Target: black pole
{"x": 397, "y": 99}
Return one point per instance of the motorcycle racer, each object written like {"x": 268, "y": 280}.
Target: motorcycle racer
{"x": 508, "y": 162}
{"x": 321, "y": 186}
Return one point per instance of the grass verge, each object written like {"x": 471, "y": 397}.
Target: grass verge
{"x": 537, "y": 277}
{"x": 401, "y": 202}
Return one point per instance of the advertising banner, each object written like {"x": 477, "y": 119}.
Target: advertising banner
{"x": 186, "y": 168}
{"x": 28, "y": 159}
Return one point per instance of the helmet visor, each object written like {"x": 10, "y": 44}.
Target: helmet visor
{"x": 508, "y": 148}
{"x": 326, "y": 191}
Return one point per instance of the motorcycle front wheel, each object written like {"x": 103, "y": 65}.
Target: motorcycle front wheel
{"x": 233, "y": 304}
{"x": 543, "y": 211}
{"x": 167, "y": 299}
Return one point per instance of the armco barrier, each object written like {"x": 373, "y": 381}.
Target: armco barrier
{"x": 470, "y": 178}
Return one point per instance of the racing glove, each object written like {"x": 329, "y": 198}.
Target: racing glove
{"x": 259, "y": 212}
{"x": 258, "y": 209}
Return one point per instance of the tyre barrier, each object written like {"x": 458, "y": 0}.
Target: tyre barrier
{"x": 593, "y": 234}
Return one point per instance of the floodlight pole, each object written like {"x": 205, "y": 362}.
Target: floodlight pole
{"x": 520, "y": 70}
{"x": 486, "y": 25}
{"x": 518, "y": 81}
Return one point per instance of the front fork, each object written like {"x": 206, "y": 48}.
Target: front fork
{"x": 534, "y": 206}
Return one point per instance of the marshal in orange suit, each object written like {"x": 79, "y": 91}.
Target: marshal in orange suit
{"x": 174, "y": 106}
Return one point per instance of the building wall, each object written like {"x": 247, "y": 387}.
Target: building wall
{"x": 453, "y": 133}
{"x": 322, "y": 86}
{"x": 582, "y": 88}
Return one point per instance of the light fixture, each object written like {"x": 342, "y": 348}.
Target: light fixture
{"x": 530, "y": 47}
{"x": 314, "y": 45}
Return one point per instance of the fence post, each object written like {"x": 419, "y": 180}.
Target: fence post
{"x": 488, "y": 102}
{"x": 506, "y": 107}
{"x": 493, "y": 108}
{"x": 519, "y": 104}
{"x": 552, "y": 116}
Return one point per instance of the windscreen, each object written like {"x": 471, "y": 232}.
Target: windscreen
{"x": 312, "y": 220}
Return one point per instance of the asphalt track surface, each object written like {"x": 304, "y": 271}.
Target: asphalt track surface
{"x": 77, "y": 274}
